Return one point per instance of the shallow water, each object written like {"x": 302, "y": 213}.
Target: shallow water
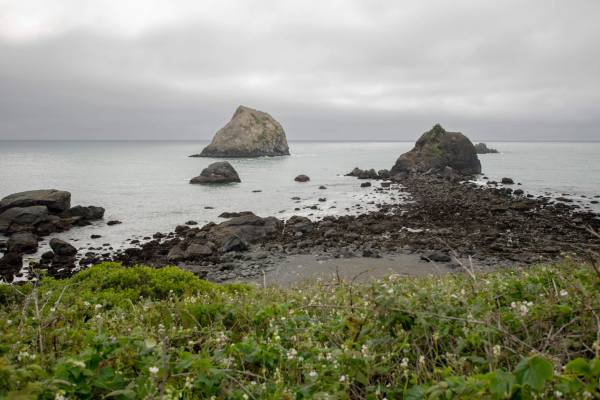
{"x": 145, "y": 184}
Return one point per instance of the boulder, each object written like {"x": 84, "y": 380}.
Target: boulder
{"x": 176, "y": 254}
{"x": 249, "y": 227}
{"x": 219, "y": 172}
{"x": 22, "y": 218}
{"x": 23, "y": 242}
{"x": 62, "y": 248}
{"x": 298, "y": 223}
{"x": 10, "y": 265}
{"x": 437, "y": 149}
{"x": 198, "y": 250}
{"x": 481, "y": 148}
{"x": 234, "y": 243}
{"x": 302, "y": 178}
{"x": 57, "y": 201}
{"x": 507, "y": 181}
{"x": 88, "y": 213}
{"x": 250, "y": 133}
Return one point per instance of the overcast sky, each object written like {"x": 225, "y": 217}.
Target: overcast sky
{"x": 347, "y": 69}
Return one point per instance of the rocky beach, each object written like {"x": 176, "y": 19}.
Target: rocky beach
{"x": 428, "y": 210}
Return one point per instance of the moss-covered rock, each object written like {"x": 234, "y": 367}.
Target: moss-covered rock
{"x": 436, "y": 150}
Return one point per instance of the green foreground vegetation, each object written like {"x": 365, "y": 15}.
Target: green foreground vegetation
{"x": 128, "y": 333}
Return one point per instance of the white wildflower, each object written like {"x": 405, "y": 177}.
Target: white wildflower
{"x": 153, "y": 370}
{"x": 98, "y": 306}
{"x": 496, "y": 350}
{"x": 404, "y": 363}
{"x": 563, "y": 293}
{"x": 312, "y": 373}
{"x": 343, "y": 378}
{"x": 421, "y": 359}
{"x": 291, "y": 354}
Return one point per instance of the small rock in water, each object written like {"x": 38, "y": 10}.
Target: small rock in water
{"x": 302, "y": 178}
{"x": 322, "y": 187}
{"x": 365, "y": 184}
{"x": 114, "y": 222}
{"x": 95, "y": 236}
{"x": 507, "y": 181}
{"x": 191, "y": 223}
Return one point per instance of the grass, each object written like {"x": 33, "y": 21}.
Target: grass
{"x": 128, "y": 333}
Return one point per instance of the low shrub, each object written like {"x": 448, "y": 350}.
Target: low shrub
{"x": 125, "y": 333}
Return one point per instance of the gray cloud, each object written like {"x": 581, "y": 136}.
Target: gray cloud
{"x": 327, "y": 70}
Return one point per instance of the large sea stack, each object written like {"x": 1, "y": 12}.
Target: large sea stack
{"x": 250, "y": 133}
{"x": 438, "y": 151}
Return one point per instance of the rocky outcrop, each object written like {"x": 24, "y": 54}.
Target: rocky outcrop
{"x": 436, "y": 151}
{"x": 55, "y": 200}
{"x": 369, "y": 173}
{"x": 219, "y": 172}
{"x": 481, "y": 148}
{"x": 43, "y": 212}
{"x": 250, "y": 133}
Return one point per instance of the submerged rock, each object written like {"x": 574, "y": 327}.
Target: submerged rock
{"x": 437, "y": 149}
{"x": 250, "y": 133}
{"x": 219, "y": 172}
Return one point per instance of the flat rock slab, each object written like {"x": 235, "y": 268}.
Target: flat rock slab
{"x": 55, "y": 200}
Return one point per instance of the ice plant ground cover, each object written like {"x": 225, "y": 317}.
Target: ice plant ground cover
{"x": 126, "y": 333}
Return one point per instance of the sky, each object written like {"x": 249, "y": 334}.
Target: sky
{"x": 327, "y": 69}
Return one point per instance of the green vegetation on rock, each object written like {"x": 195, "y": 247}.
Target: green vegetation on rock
{"x": 128, "y": 333}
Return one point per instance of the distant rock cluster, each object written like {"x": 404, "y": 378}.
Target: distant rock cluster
{"x": 481, "y": 148}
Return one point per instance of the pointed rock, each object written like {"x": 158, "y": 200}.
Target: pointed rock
{"x": 250, "y": 133}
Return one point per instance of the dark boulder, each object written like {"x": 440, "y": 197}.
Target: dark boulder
{"x": 10, "y": 265}
{"x": 365, "y": 184}
{"x": 234, "y": 243}
{"x": 437, "y": 149}
{"x": 62, "y": 248}
{"x": 249, "y": 227}
{"x": 507, "y": 181}
{"x": 88, "y": 213}
{"x": 23, "y": 242}
{"x": 23, "y": 218}
{"x": 302, "y": 178}
{"x": 298, "y": 223}
{"x": 198, "y": 250}
{"x": 219, "y": 172}
{"x": 56, "y": 200}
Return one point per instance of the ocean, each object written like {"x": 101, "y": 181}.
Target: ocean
{"x": 145, "y": 185}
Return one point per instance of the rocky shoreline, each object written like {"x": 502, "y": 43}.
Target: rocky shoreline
{"x": 446, "y": 221}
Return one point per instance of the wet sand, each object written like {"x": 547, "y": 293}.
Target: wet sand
{"x": 298, "y": 269}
